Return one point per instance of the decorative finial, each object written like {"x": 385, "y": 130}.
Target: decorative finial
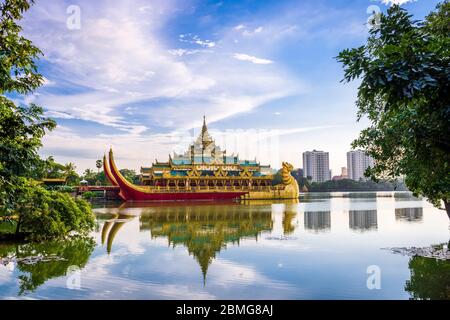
{"x": 204, "y": 128}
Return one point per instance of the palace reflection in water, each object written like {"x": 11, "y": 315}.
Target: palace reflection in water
{"x": 204, "y": 229}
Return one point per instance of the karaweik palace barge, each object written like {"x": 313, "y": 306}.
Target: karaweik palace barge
{"x": 203, "y": 172}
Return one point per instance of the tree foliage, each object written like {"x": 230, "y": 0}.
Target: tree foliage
{"x": 93, "y": 178}
{"x": 39, "y": 213}
{"x": 49, "y": 168}
{"x": 44, "y": 214}
{"x": 130, "y": 175}
{"x": 18, "y": 71}
{"x": 404, "y": 71}
{"x": 348, "y": 185}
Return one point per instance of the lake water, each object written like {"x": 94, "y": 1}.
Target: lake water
{"x": 326, "y": 246}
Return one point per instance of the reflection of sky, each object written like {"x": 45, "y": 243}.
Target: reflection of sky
{"x": 305, "y": 265}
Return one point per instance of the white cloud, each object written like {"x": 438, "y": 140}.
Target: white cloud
{"x": 248, "y": 32}
{"x": 195, "y": 39}
{"x": 400, "y": 2}
{"x": 246, "y": 57}
{"x": 121, "y": 59}
{"x": 145, "y": 9}
{"x": 136, "y": 149}
{"x": 182, "y": 52}
{"x": 47, "y": 82}
{"x": 58, "y": 114}
{"x": 115, "y": 56}
{"x": 118, "y": 60}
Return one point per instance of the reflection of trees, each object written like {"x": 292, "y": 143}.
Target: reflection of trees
{"x": 206, "y": 229}
{"x": 71, "y": 252}
{"x": 317, "y": 220}
{"x": 409, "y": 214}
{"x": 430, "y": 278}
{"x": 363, "y": 220}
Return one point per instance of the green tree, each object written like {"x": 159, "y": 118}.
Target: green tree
{"x": 68, "y": 168}
{"x": 345, "y": 185}
{"x": 277, "y": 178}
{"x": 101, "y": 178}
{"x": 130, "y": 175}
{"x": 430, "y": 279}
{"x": 52, "y": 169}
{"x": 70, "y": 174}
{"x": 404, "y": 72}
{"x": 303, "y": 183}
{"x": 44, "y": 214}
{"x": 39, "y": 213}
{"x": 18, "y": 72}
{"x": 21, "y": 128}
{"x": 90, "y": 176}
{"x": 98, "y": 164}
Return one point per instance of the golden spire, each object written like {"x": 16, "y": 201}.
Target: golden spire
{"x": 206, "y": 139}
{"x": 204, "y": 128}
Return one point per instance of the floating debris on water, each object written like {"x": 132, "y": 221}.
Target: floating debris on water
{"x": 31, "y": 259}
{"x": 436, "y": 252}
{"x": 281, "y": 238}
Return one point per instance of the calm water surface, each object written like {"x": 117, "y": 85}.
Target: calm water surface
{"x": 319, "y": 248}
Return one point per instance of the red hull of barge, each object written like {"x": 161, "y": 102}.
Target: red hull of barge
{"x": 181, "y": 196}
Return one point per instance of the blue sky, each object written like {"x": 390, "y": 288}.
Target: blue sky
{"x": 139, "y": 76}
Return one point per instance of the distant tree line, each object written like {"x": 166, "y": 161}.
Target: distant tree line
{"x": 49, "y": 168}
{"x": 352, "y": 185}
{"x": 99, "y": 177}
{"x": 343, "y": 185}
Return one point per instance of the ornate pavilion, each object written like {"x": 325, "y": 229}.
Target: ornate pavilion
{"x": 206, "y": 166}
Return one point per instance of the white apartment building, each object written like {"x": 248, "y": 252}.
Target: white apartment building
{"x": 316, "y": 164}
{"x": 357, "y": 163}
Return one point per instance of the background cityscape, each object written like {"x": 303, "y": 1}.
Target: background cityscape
{"x": 316, "y": 166}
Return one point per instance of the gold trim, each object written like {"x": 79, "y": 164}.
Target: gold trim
{"x": 108, "y": 172}
{"x": 121, "y": 177}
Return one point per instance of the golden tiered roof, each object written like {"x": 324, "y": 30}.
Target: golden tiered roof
{"x": 205, "y": 160}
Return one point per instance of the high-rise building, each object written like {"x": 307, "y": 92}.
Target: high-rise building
{"x": 316, "y": 164}
{"x": 357, "y": 163}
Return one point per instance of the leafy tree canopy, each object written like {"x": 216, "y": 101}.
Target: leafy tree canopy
{"x": 405, "y": 74}
{"x": 39, "y": 213}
